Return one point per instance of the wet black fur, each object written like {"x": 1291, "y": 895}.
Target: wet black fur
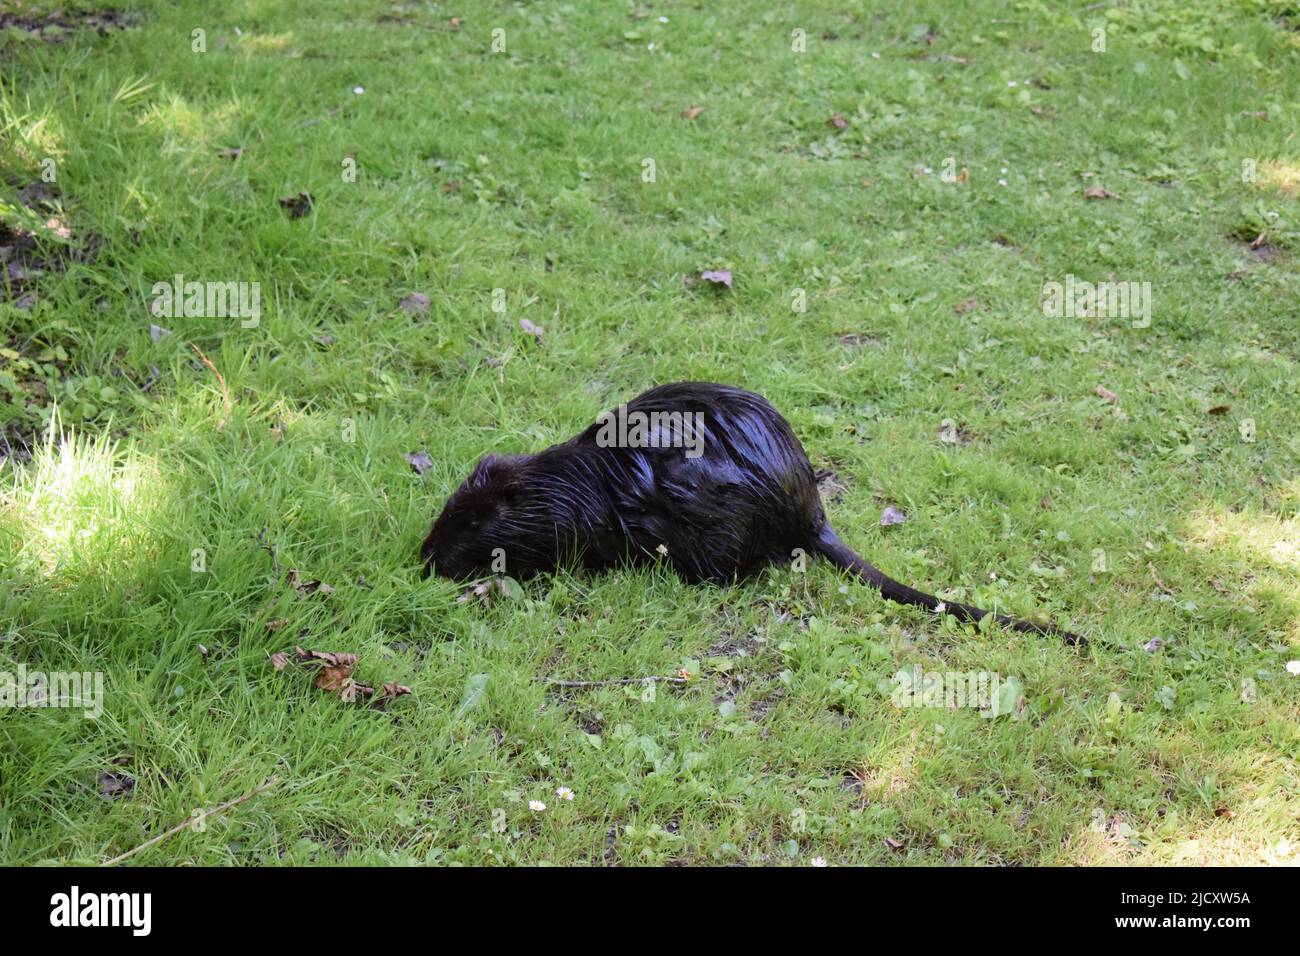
{"x": 748, "y": 501}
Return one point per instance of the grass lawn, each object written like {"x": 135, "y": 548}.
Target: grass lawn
{"x": 890, "y": 191}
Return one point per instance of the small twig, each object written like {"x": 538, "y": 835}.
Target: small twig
{"x": 272, "y": 550}
{"x": 1156, "y": 578}
{"x": 221, "y": 380}
{"x": 652, "y": 679}
{"x": 187, "y": 823}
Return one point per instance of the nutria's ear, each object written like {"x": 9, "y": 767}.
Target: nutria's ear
{"x": 483, "y": 471}
{"x": 492, "y": 468}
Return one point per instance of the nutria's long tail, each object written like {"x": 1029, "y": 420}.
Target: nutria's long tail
{"x": 842, "y": 556}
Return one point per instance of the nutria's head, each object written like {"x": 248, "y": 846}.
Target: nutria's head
{"x": 481, "y": 523}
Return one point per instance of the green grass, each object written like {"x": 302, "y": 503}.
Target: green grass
{"x": 522, "y": 171}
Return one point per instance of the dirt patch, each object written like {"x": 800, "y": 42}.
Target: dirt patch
{"x": 858, "y": 340}
{"x": 829, "y": 486}
{"x": 728, "y": 645}
{"x": 54, "y": 27}
{"x": 26, "y": 256}
{"x": 17, "y": 442}
{"x": 761, "y": 707}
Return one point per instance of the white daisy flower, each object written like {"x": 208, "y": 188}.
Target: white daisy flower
{"x": 536, "y": 806}
{"x": 564, "y": 793}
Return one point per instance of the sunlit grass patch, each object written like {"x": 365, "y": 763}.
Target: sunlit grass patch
{"x": 85, "y": 505}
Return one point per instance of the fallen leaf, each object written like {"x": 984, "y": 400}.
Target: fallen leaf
{"x": 891, "y": 515}
{"x": 474, "y": 694}
{"x": 417, "y": 303}
{"x": 510, "y": 588}
{"x": 1218, "y": 410}
{"x": 456, "y": 22}
{"x": 691, "y": 112}
{"x": 1106, "y": 393}
{"x": 717, "y": 277}
{"x": 307, "y": 587}
{"x": 967, "y": 305}
{"x": 948, "y": 432}
{"x": 419, "y": 461}
{"x": 1153, "y": 645}
{"x": 893, "y": 844}
{"x": 280, "y": 660}
{"x": 232, "y": 152}
{"x": 351, "y": 690}
{"x": 298, "y": 205}
{"x": 838, "y": 121}
{"x": 534, "y": 330}
{"x": 1098, "y": 192}
{"x": 335, "y": 669}
{"x": 388, "y": 693}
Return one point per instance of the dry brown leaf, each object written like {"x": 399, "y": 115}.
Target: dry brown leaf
{"x": 967, "y": 305}
{"x": 1107, "y": 394}
{"x": 307, "y": 587}
{"x": 335, "y": 668}
{"x": 388, "y": 693}
{"x": 1098, "y": 192}
{"x": 838, "y": 121}
{"x": 280, "y": 660}
{"x": 299, "y": 205}
{"x": 691, "y": 112}
{"x": 1218, "y": 410}
{"x": 350, "y": 689}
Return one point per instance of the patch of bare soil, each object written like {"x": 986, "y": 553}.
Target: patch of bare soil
{"x": 54, "y": 27}
{"x": 26, "y": 256}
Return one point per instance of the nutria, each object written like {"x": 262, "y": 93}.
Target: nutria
{"x": 707, "y": 478}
